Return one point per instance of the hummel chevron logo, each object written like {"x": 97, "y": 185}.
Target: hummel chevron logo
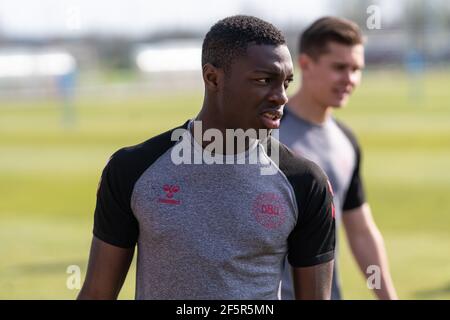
{"x": 170, "y": 191}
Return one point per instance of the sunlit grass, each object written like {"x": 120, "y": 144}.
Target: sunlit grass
{"x": 49, "y": 174}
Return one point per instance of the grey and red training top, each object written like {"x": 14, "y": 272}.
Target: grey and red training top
{"x": 214, "y": 231}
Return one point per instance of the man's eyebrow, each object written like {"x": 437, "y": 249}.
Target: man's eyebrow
{"x": 275, "y": 71}
{"x": 340, "y": 63}
{"x": 269, "y": 71}
{"x": 346, "y": 64}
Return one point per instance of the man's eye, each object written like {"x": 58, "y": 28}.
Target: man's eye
{"x": 263, "y": 80}
{"x": 287, "y": 83}
{"x": 340, "y": 67}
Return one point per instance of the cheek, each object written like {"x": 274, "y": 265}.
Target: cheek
{"x": 231, "y": 93}
{"x": 236, "y": 89}
{"x": 325, "y": 79}
{"x": 250, "y": 95}
{"x": 335, "y": 76}
{"x": 357, "y": 79}
{"x": 239, "y": 100}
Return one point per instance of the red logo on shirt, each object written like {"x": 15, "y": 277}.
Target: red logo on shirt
{"x": 170, "y": 191}
{"x": 269, "y": 210}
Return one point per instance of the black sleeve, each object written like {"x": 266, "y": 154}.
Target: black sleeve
{"x": 114, "y": 221}
{"x": 312, "y": 241}
{"x": 355, "y": 195}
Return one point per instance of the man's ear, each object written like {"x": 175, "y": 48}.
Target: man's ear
{"x": 304, "y": 62}
{"x": 212, "y": 76}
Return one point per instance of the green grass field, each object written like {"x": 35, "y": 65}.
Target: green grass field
{"x": 49, "y": 175}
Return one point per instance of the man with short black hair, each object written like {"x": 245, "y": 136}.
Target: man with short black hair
{"x": 218, "y": 228}
{"x": 331, "y": 58}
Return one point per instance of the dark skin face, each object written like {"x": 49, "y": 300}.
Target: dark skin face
{"x": 254, "y": 84}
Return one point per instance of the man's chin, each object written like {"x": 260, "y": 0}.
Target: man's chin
{"x": 337, "y": 104}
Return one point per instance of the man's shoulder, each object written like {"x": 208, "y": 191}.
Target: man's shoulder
{"x": 298, "y": 169}
{"x": 142, "y": 155}
{"x": 348, "y": 132}
{"x": 290, "y": 120}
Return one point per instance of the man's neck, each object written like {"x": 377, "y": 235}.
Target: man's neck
{"x": 211, "y": 120}
{"x": 306, "y": 107}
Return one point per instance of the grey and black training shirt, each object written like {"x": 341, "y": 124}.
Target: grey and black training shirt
{"x": 214, "y": 231}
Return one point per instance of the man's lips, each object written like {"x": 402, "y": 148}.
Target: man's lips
{"x": 342, "y": 92}
{"x": 272, "y": 114}
{"x": 271, "y": 118}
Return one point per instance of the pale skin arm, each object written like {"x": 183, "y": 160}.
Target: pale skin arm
{"x": 367, "y": 246}
{"x": 107, "y": 269}
{"x": 313, "y": 283}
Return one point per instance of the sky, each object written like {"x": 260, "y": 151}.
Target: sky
{"x": 136, "y": 17}
{"x": 56, "y": 17}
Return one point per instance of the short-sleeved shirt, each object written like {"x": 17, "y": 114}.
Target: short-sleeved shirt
{"x": 332, "y": 146}
{"x": 214, "y": 231}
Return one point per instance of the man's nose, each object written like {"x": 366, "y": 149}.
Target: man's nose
{"x": 279, "y": 96}
{"x": 351, "y": 78}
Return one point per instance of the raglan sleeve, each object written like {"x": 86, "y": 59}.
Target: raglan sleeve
{"x": 312, "y": 241}
{"x": 355, "y": 196}
{"x": 114, "y": 221}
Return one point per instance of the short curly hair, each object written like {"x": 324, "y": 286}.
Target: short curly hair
{"x": 230, "y": 37}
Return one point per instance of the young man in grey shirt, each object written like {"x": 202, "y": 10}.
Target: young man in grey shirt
{"x": 331, "y": 58}
{"x": 210, "y": 224}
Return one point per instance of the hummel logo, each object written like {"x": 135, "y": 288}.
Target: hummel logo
{"x": 170, "y": 191}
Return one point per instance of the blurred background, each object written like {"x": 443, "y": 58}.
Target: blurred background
{"x": 80, "y": 79}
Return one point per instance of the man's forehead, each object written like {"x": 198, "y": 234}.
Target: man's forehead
{"x": 344, "y": 53}
{"x": 274, "y": 58}
{"x": 342, "y": 50}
